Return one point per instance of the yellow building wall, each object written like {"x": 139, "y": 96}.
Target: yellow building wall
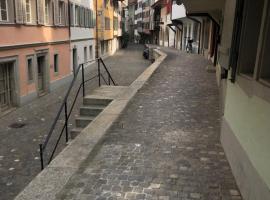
{"x": 105, "y": 10}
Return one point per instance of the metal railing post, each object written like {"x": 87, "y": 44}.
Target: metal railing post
{"x": 83, "y": 80}
{"x": 41, "y": 156}
{"x": 66, "y": 121}
{"x": 99, "y": 80}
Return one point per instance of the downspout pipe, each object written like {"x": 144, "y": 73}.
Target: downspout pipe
{"x": 97, "y": 43}
{"x": 200, "y": 27}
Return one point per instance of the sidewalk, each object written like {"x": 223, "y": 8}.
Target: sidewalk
{"x": 166, "y": 145}
{"x": 19, "y": 156}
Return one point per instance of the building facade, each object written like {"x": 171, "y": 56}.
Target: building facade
{"x": 109, "y": 26}
{"x": 82, "y": 30}
{"x": 34, "y": 43}
{"x": 239, "y": 46}
{"x": 131, "y": 19}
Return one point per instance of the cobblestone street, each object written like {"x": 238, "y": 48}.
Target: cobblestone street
{"x": 166, "y": 145}
{"x": 19, "y": 155}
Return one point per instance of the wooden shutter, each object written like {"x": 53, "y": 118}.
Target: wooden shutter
{"x": 66, "y": 15}
{"x": 71, "y": 14}
{"x": 40, "y": 11}
{"x": 20, "y": 11}
{"x": 91, "y": 19}
{"x": 56, "y": 12}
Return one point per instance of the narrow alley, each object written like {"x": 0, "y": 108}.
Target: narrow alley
{"x": 19, "y": 158}
{"x": 166, "y": 144}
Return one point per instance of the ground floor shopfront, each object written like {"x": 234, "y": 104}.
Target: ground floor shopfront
{"x": 29, "y": 72}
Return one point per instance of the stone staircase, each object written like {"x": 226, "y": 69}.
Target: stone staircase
{"x": 88, "y": 111}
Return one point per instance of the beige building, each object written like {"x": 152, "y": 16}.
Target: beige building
{"x": 243, "y": 74}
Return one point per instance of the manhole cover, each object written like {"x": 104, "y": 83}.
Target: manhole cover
{"x": 17, "y": 125}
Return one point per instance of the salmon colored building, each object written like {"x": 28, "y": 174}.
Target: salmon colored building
{"x": 34, "y": 49}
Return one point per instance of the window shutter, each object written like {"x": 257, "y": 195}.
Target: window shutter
{"x": 56, "y": 12}
{"x": 66, "y": 14}
{"x": 20, "y": 11}
{"x": 40, "y": 10}
{"x": 71, "y": 11}
{"x": 91, "y": 19}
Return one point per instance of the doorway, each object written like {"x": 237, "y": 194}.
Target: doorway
{"x": 75, "y": 59}
{"x": 6, "y": 86}
{"x": 41, "y": 73}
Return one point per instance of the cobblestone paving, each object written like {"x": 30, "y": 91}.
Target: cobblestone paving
{"x": 166, "y": 144}
{"x": 19, "y": 155}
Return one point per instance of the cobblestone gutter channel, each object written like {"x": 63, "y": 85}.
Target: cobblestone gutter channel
{"x": 54, "y": 177}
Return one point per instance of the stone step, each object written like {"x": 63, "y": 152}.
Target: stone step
{"x": 83, "y": 121}
{"x": 91, "y": 110}
{"x": 75, "y": 131}
{"x": 96, "y": 101}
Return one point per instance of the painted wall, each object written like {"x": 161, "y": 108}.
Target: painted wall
{"x": 11, "y": 35}
{"x": 26, "y": 88}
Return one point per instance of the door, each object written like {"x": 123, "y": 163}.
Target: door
{"x": 41, "y": 72}
{"x": 6, "y": 78}
{"x": 75, "y": 59}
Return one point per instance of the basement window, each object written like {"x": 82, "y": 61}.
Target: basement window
{"x": 30, "y": 69}
{"x": 252, "y": 17}
{"x": 56, "y": 64}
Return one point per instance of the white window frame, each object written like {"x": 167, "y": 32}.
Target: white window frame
{"x": 30, "y": 11}
{"x": 77, "y": 15}
{"x": 47, "y": 12}
{"x": 61, "y": 12}
{"x": 1, "y": 20}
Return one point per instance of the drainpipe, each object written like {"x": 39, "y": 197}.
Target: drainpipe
{"x": 97, "y": 44}
{"x": 200, "y": 26}
{"x": 69, "y": 22}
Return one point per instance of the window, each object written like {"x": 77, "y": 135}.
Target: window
{"x": 77, "y": 15}
{"x": 30, "y": 69}
{"x": 56, "y": 63}
{"x": 3, "y": 10}
{"x": 71, "y": 14}
{"x": 47, "y": 11}
{"x": 107, "y": 23}
{"x": 91, "y": 52}
{"x": 61, "y": 12}
{"x": 85, "y": 54}
{"x": 115, "y": 23}
{"x": 265, "y": 58}
{"x": 250, "y": 36}
{"x": 28, "y": 13}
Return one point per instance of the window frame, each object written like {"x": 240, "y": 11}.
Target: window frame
{"x": 56, "y": 63}
{"x": 30, "y": 12}
{"x": 61, "y": 14}
{"x": 77, "y": 15}
{"x": 30, "y": 57}
{"x": 91, "y": 52}
{"x": 1, "y": 20}
{"x": 47, "y": 12}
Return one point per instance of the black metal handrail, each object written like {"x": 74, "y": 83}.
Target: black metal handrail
{"x": 64, "y": 106}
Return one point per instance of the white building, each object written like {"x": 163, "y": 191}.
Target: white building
{"x": 82, "y": 27}
{"x": 138, "y": 20}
